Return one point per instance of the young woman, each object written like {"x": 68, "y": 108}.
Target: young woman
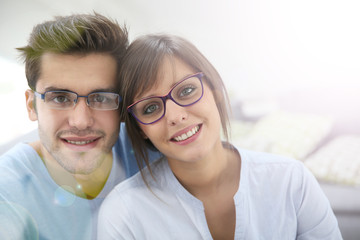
{"x": 203, "y": 187}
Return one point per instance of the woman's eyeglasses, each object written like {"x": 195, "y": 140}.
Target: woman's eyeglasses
{"x": 185, "y": 93}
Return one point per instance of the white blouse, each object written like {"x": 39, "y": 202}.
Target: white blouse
{"x": 278, "y": 198}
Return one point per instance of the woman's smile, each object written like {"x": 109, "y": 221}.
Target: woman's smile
{"x": 186, "y": 135}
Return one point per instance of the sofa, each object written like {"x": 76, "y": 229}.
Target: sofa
{"x": 319, "y": 126}
{"x": 309, "y": 136}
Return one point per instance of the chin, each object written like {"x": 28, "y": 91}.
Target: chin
{"x": 84, "y": 163}
{"x": 83, "y": 170}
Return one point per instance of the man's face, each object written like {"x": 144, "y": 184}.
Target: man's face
{"x": 80, "y": 138}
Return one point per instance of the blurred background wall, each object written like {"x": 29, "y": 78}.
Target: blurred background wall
{"x": 292, "y": 69}
{"x": 265, "y": 50}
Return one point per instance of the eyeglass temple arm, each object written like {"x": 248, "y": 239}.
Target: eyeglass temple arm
{"x": 42, "y": 96}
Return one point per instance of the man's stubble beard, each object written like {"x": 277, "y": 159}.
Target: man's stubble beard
{"x": 71, "y": 162}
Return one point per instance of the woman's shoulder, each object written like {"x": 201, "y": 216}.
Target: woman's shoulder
{"x": 263, "y": 170}
{"x": 264, "y": 164}
{"x": 132, "y": 197}
{"x": 142, "y": 181}
{"x": 265, "y": 158}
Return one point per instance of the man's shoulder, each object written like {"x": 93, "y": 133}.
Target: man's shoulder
{"x": 17, "y": 153}
{"x": 17, "y": 162}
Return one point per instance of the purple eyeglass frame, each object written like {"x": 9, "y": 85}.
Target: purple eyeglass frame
{"x": 199, "y": 75}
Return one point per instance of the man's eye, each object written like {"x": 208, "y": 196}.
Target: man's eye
{"x": 100, "y": 98}
{"x": 60, "y": 99}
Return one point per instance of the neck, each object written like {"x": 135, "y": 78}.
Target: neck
{"x": 219, "y": 169}
{"x": 82, "y": 185}
{"x": 90, "y": 185}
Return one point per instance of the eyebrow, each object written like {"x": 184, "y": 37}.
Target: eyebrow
{"x": 112, "y": 90}
{"x": 171, "y": 87}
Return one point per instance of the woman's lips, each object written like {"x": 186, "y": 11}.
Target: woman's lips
{"x": 186, "y": 133}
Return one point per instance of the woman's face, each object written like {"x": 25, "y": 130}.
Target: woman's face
{"x": 184, "y": 134}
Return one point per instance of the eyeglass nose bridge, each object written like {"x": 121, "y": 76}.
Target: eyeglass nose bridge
{"x": 166, "y": 97}
{"x": 80, "y": 96}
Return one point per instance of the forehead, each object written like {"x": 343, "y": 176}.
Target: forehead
{"x": 77, "y": 72}
{"x": 171, "y": 71}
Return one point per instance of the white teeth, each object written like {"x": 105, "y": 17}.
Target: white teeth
{"x": 185, "y": 136}
{"x": 79, "y": 142}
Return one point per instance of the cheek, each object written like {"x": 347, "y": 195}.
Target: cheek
{"x": 110, "y": 125}
{"x": 146, "y": 131}
{"x": 152, "y": 131}
{"x": 107, "y": 120}
{"x": 50, "y": 118}
{"x": 211, "y": 110}
{"x": 208, "y": 103}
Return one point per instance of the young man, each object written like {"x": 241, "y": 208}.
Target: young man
{"x": 52, "y": 188}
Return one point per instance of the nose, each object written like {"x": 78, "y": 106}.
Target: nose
{"x": 175, "y": 114}
{"x": 81, "y": 115}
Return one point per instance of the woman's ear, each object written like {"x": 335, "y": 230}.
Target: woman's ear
{"x": 30, "y": 105}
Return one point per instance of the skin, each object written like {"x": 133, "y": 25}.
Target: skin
{"x": 85, "y": 163}
{"x": 207, "y": 169}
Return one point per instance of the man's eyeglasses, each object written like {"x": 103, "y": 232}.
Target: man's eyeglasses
{"x": 64, "y": 100}
{"x": 185, "y": 93}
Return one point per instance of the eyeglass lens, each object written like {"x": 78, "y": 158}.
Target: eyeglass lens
{"x": 187, "y": 92}
{"x": 66, "y": 100}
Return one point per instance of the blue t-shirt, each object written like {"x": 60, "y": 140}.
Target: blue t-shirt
{"x": 33, "y": 206}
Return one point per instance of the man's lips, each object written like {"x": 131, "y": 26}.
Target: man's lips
{"x": 186, "y": 133}
{"x": 80, "y": 141}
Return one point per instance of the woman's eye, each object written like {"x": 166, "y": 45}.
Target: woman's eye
{"x": 186, "y": 91}
{"x": 149, "y": 109}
